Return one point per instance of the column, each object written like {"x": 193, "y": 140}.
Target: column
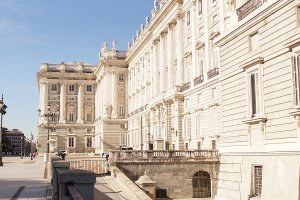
{"x": 114, "y": 95}
{"x": 62, "y": 107}
{"x": 155, "y": 63}
{"x": 194, "y": 51}
{"x": 80, "y": 104}
{"x": 152, "y": 70}
{"x": 170, "y": 56}
{"x": 206, "y": 39}
{"x": 43, "y": 96}
{"x": 179, "y": 50}
{"x": 162, "y": 68}
{"x": 221, "y": 16}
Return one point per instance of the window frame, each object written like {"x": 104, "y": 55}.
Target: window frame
{"x": 255, "y": 71}
{"x": 89, "y": 88}
{"x": 71, "y": 88}
{"x": 71, "y": 140}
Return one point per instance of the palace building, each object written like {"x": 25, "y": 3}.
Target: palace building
{"x": 197, "y": 75}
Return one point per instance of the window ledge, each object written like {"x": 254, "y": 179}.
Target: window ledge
{"x": 252, "y": 61}
{"x": 255, "y": 120}
{"x": 295, "y": 113}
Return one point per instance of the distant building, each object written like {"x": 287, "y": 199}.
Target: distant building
{"x": 67, "y": 107}
{"x": 16, "y": 137}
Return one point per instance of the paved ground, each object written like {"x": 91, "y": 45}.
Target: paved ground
{"x": 23, "y": 179}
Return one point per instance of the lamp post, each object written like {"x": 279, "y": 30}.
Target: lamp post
{"x": 31, "y": 146}
{"x": 2, "y": 111}
{"x": 53, "y": 116}
{"x": 22, "y": 146}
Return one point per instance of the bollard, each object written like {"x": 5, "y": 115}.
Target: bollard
{"x": 82, "y": 181}
{"x": 63, "y": 166}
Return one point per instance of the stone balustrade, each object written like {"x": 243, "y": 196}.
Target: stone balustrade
{"x": 162, "y": 155}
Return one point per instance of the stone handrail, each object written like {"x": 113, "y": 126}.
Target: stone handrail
{"x": 164, "y": 155}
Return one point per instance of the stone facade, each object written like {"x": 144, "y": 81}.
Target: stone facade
{"x": 111, "y": 99}
{"x": 67, "y": 107}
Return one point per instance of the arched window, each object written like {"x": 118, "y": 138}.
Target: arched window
{"x": 201, "y": 185}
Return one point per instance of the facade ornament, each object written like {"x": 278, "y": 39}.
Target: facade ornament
{"x": 147, "y": 21}
{"x": 114, "y": 45}
{"x": 142, "y": 27}
{"x": 155, "y": 5}
{"x": 162, "y": 3}
{"x": 128, "y": 45}
{"x": 104, "y": 46}
{"x": 230, "y": 5}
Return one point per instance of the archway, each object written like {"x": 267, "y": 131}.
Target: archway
{"x": 201, "y": 185}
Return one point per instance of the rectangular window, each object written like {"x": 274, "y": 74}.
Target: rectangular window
{"x": 257, "y": 180}
{"x": 53, "y": 87}
{"x": 71, "y": 142}
{"x": 199, "y": 124}
{"x": 121, "y": 77}
{"x": 89, "y": 88}
{"x": 295, "y": 79}
{"x": 188, "y": 18}
{"x": 71, "y": 88}
{"x": 213, "y": 145}
{"x": 254, "y": 41}
{"x": 200, "y": 7}
{"x": 89, "y": 117}
{"x": 122, "y": 110}
{"x": 186, "y": 146}
{"x": 71, "y": 117}
{"x": 88, "y": 142}
{"x": 254, "y": 100}
{"x": 199, "y": 145}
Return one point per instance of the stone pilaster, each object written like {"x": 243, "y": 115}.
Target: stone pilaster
{"x": 179, "y": 50}
{"x": 155, "y": 69}
{"x": 194, "y": 52}
{"x": 162, "y": 67}
{"x": 170, "y": 55}
{"x": 80, "y": 104}
{"x": 114, "y": 95}
{"x": 62, "y": 99}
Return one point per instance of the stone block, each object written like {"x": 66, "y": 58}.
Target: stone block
{"x": 82, "y": 180}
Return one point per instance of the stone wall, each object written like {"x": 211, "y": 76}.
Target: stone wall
{"x": 175, "y": 177}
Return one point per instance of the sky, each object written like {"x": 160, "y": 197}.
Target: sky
{"x": 42, "y": 31}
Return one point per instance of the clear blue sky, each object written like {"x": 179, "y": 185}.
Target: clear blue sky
{"x": 53, "y": 31}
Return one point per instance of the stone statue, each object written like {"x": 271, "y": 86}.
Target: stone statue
{"x": 155, "y": 5}
{"x": 104, "y": 46}
{"x": 113, "y": 45}
{"x": 147, "y": 21}
{"x": 142, "y": 27}
{"x": 108, "y": 110}
{"x": 230, "y": 5}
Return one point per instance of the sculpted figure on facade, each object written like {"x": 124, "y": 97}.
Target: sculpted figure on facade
{"x": 155, "y": 5}
{"x": 114, "y": 45}
{"x": 230, "y": 5}
{"x": 108, "y": 110}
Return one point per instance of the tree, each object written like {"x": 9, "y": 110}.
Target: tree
{"x": 6, "y": 144}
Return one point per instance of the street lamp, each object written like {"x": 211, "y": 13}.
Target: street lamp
{"x": 22, "y": 137}
{"x": 31, "y": 146}
{"x": 2, "y": 111}
{"x": 54, "y": 117}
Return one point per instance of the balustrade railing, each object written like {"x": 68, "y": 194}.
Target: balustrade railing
{"x": 248, "y": 7}
{"x": 185, "y": 86}
{"x": 198, "y": 80}
{"x": 127, "y": 155}
{"x": 212, "y": 73}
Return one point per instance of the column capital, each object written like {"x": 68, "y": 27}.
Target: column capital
{"x": 171, "y": 26}
{"x": 163, "y": 35}
{"x": 44, "y": 81}
{"x": 179, "y": 16}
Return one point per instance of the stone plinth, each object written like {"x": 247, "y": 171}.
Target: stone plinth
{"x": 148, "y": 185}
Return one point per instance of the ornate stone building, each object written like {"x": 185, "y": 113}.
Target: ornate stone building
{"x": 110, "y": 99}
{"x": 199, "y": 74}
{"x": 67, "y": 107}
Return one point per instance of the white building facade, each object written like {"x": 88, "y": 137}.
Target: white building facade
{"x": 198, "y": 74}
{"x": 66, "y": 107}
{"x": 110, "y": 99}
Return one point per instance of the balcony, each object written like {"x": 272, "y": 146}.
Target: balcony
{"x": 248, "y": 7}
{"x": 185, "y": 86}
{"x": 198, "y": 80}
{"x": 212, "y": 73}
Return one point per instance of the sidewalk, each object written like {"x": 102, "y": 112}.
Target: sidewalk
{"x": 23, "y": 179}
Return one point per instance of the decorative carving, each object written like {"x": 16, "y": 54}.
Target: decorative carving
{"x": 155, "y": 5}
{"x": 230, "y": 5}
{"x": 108, "y": 110}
